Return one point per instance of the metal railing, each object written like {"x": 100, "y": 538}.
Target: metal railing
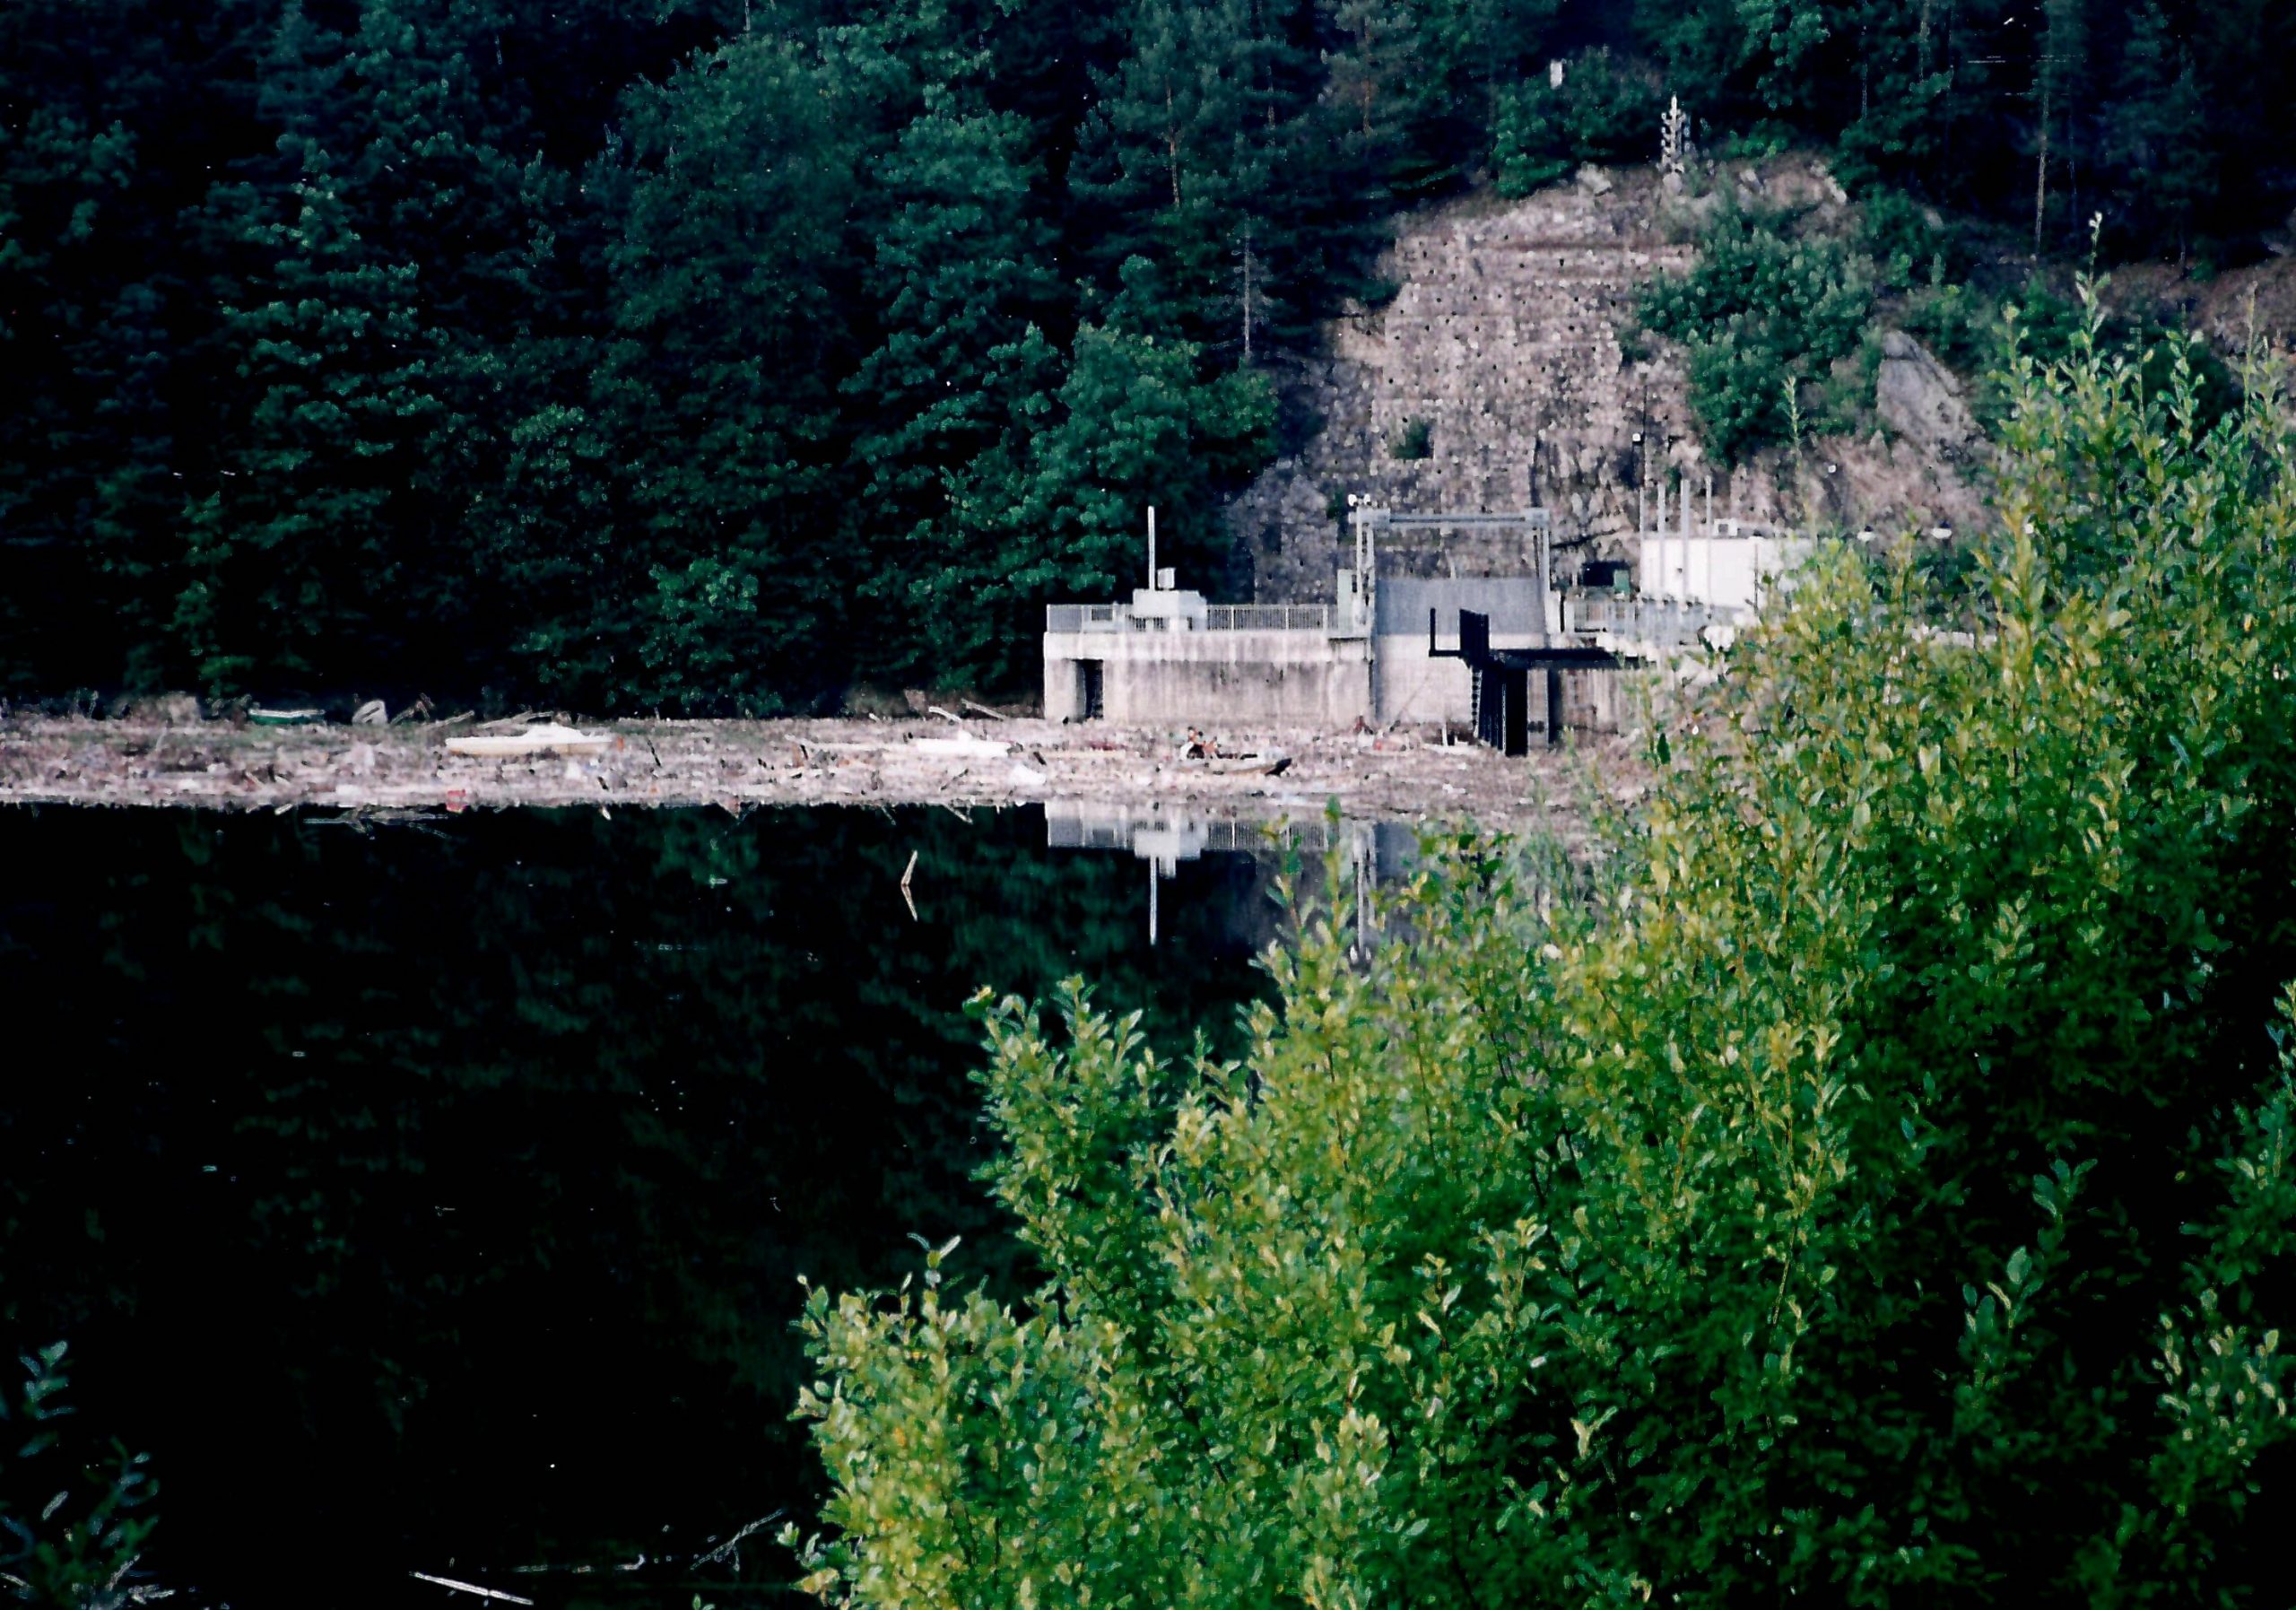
{"x": 1217, "y": 617}
{"x": 1662, "y": 623}
{"x": 1267, "y": 617}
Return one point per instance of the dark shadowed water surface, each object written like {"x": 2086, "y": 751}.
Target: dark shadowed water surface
{"x": 434, "y": 1198}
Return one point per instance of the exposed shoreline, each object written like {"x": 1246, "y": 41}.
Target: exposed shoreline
{"x": 1404, "y": 775}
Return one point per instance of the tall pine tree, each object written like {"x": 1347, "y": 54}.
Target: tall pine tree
{"x": 723, "y": 586}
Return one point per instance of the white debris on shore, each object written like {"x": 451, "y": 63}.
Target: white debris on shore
{"x": 1399, "y": 775}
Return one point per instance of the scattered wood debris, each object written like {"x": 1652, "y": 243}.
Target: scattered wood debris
{"x": 376, "y": 771}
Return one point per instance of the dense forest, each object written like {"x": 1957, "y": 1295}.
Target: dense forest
{"x": 706, "y": 355}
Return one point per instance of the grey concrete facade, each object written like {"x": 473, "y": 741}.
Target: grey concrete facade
{"x": 1301, "y": 678}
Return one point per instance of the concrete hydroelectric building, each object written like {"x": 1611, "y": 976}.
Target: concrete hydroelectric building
{"x": 1377, "y": 653}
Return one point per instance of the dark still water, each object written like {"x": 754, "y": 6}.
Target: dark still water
{"x": 435, "y": 1199}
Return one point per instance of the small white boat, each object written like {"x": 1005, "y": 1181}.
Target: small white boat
{"x": 545, "y": 738}
{"x": 264, "y": 718}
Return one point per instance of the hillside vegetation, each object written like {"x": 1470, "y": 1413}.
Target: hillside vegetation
{"x": 707, "y": 354}
{"x": 1880, "y": 1189}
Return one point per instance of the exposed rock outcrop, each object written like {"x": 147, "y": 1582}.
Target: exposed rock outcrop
{"x": 1504, "y": 339}
{"x": 1507, "y": 341}
{"x": 1921, "y": 399}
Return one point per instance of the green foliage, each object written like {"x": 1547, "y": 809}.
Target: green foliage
{"x": 1601, "y": 112}
{"x": 1984, "y": 335}
{"x": 457, "y": 347}
{"x": 1416, "y": 439}
{"x": 1961, "y": 324}
{"x": 1762, "y": 314}
{"x": 1879, "y": 1189}
{"x": 961, "y": 267}
{"x": 74, "y": 1519}
{"x": 1043, "y": 513}
{"x": 733, "y": 240}
{"x": 1910, "y": 243}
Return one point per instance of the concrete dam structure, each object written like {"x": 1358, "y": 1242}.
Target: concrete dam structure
{"x": 1418, "y": 649}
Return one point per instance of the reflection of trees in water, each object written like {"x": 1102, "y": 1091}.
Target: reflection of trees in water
{"x": 447, "y": 1193}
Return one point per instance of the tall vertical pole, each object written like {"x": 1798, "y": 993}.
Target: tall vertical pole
{"x": 1710, "y": 538}
{"x": 1665, "y": 543}
{"x": 1543, "y": 535}
{"x": 1367, "y": 561}
{"x": 1681, "y": 512}
{"x": 1151, "y": 547}
{"x": 1677, "y": 557}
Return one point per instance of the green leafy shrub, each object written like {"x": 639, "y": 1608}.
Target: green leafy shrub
{"x": 74, "y": 1518}
{"x": 1760, "y": 311}
{"x": 1416, "y": 439}
{"x": 1911, "y": 244}
{"x": 1880, "y": 1191}
{"x": 1958, "y": 323}
{"x": 1980, "y": 334}
{"x": 1601, "y": 112}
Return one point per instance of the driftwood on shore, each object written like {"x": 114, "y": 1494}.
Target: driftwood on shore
{"x": 1401, "y": 775}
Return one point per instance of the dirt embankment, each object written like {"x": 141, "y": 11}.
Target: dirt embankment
{"x": 1397, "y": 776}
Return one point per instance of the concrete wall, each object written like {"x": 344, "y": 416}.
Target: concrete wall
{"x": 1285, "y": 678}
{"x": 1413, "y": 689}
{"x": 1733, "y": 573}
{"x": 1511, "y": 601}
{"x": 1293, "y": 679}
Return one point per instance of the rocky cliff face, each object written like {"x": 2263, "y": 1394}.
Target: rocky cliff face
{"x": 1501, "y": 359}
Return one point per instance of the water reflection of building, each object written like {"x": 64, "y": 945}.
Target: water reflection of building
{"x": 1165, "y": 837}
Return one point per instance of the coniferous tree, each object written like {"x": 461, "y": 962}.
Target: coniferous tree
{"x": 1590, "y": 108}
{"x": 1902, "y": 86}
{"x": 963, "y": 276}
{"x": 1783, "y": 39}
{"x": 1174, "y": 150}
{"x": 1698, "y": 47}
{"x": 94, "y": 280}
{"x": 298, "y": 536}
{"x": 2060, "y": 75}
{"x": 1139, "y": 419}
{"x": 2154, "y": 138}
{"x": 719, "y": 385}
{"x": 391, "y": 271}
{"x": 2244, "y": 60}
{"x": 1379, "y": 89}
{"x": 1476, "y": 50}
